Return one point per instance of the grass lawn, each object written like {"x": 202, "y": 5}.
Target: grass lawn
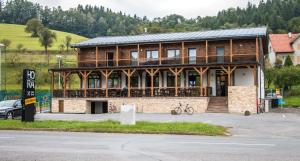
{"x": 182, "y": 128}
{"x": 17, "y": 35}
{"x": 292, "y": 101}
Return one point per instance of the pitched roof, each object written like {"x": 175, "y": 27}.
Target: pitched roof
{"x": 282, "y": 43}
{"x": 171, "y": 37}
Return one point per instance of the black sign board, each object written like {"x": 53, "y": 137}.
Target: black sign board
{"x": 28, "y": 95}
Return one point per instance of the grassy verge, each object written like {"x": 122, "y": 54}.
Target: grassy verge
{"x": 182, "y": 128}
{"x": 292, "y": 101}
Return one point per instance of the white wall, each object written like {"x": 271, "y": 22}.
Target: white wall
{"x": 212, "y": 74}
{"x": 272, "y": 54}
{"x": 297, "y": 51}
{"x": 243, "y": 77}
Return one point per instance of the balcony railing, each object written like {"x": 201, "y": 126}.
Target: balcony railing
{"x": 134, "y": 92}
{"x": 169, "y": 61}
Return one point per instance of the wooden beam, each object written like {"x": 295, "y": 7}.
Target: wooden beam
{"x": 152, "y": 73}
{"x": 117, "y": 55}
{"x": 52, "y": 82}
{"x": 129, "y": 73}
{"x": 229, "y": 71}
{"x": 257, "y": 50}
{"x": 160, "y": 53}
{"x": 201, "y": 71}
{"x": 176, "y": 72}
{"x": 97, "y": 55}
{"x": 254, "y": 72}
{"x": 206, "y": 51}
{"x": 65, "y": 86}
{"x": 106, "y": 74}
{"x": 182, "y": 52}
{"x": 231, "y": 50}
{"x": 138, "y": 54}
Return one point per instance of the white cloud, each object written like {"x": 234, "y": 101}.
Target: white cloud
{"x": 156, "y": 8}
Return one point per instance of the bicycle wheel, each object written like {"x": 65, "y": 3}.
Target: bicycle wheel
{"x": 178, "y": 110}
{"x": 190, "y": 110}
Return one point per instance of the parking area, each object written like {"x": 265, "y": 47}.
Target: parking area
{"x": 275, "y": 125}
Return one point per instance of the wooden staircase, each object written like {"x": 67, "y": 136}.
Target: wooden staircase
{"x": 217, "y": 105}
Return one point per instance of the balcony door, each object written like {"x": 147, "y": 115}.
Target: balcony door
{"x": 110, "y": 59}
{"x": 220, "y": 54}
{"x": 134, "y": 58}
{"x": 192, "y": 56}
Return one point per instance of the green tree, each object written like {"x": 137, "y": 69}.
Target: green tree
{"x": 6, "y": 43}
{"x": 46, "y": 38}
{"x": 20, "y": 47}
{"x": 278, "y": 63}
{"x": 33, "y": 26}
{"x": 68, "y": 42}
{"x": 294, "y": 24}
{"x": 288, "y": 62}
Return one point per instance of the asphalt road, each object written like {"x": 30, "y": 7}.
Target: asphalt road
{"x": 65, "y": 146}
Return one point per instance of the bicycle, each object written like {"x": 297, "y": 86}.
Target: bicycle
{"x": 112, "y": 108}
{"x": 188, "y": 109}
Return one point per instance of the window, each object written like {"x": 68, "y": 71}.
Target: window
{"x": 192, "y": 56}
{"x": 152, "y": 54}
{"x": 94, "y": 82}
{"x": 134, "y": 57}
{"x": 173, "y": 53}
{"x": 114, "y": 81}
{"x": 220, "y": 54}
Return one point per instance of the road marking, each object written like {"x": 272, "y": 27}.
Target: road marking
{"x": 212, "y": 143}
{"x": 7, "y": 137}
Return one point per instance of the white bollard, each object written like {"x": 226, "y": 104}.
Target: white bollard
{"x": 127, "y": 115}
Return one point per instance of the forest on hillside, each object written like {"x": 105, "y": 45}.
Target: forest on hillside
{"x": 281, "y": 16}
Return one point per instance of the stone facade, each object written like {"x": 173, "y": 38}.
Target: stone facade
{"x": 70, "y": 105}
{"x": 241, "y": 99}
{"x": 143, "y": 105}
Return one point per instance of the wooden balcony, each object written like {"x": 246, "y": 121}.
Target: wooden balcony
{"x": 200, "y": 60}
{"x": 135, "y": 92}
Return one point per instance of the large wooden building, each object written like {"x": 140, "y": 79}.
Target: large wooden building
{"x": 213, "y": 71}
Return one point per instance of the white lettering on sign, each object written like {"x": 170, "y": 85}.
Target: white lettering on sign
{"x": 31, "y": 75}
{"x": 30, "y": 84}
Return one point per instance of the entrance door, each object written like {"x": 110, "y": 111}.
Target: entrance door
{"x": 221, "y": 83}
{"x": 110, "y": 59}
{"x": 61, "y": 106}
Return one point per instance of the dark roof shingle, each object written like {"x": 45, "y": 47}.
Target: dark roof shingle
{"x": 170, "y": 37}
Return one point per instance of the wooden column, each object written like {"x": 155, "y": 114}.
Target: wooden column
{"x": 52, "y": 81}
{"x": 152, "y": 73}
{"x": 117, "y": 55}
{"x": 201, "y": 71}
{"x": 97, "y": 55}
{"x": 160, "y": 52}
{"x": 106, "y": 74}
{"x": 206, "y": 51}
{"x": 176, "y": 72}
{"x": 65, "y": 76}
{"x": 85, "y": 74}
{"x": 254, "y": 71}
{"x": 229, "y": 72}
{"x": 257, "y": 50}
{"x": 182, "y": 53}
{"x": 129, "y": 73}
{"x": 231, "y": 50}
{"x": 138, "y": 54}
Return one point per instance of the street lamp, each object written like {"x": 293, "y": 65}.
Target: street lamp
{"x": 59, "y": 61}
{"x": 1, "y": 46}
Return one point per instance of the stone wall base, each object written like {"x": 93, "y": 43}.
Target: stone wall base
{"x": 241, "y": 99}
{"x": 143, "y": 105}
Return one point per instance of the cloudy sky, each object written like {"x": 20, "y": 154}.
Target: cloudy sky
{"x": 156, "y": 8}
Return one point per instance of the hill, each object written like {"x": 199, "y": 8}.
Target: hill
{"x": 17, "y": 35}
